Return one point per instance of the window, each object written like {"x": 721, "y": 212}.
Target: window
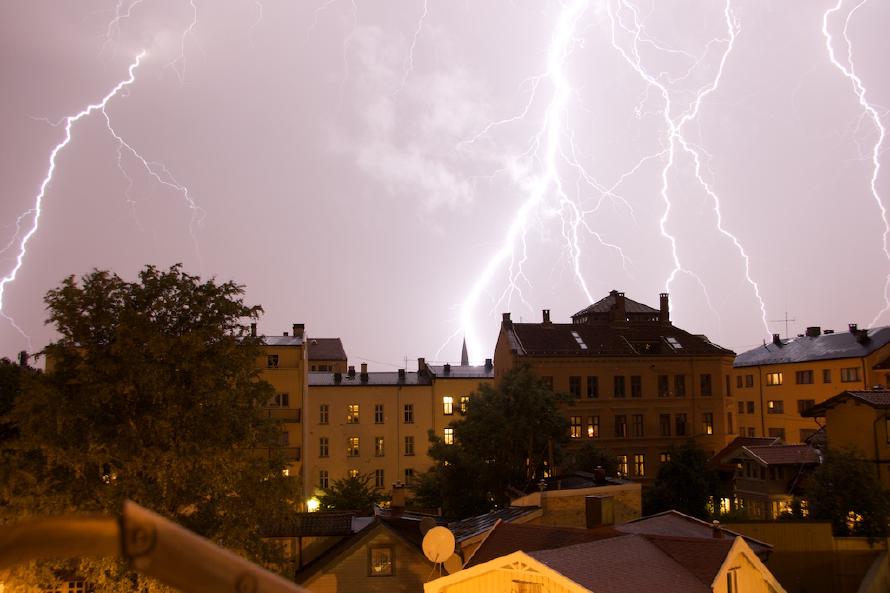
{"x": 803, "y": 404}
{"x": 323, "y": 478}
{"x": 639, "y": 465}
{"x": 449, "y": 436}
{"x": 738, "y": 381}
{"x": 773, "y": 379}
{"x": 464, "y": 403}
{"x": 775, "y": 406}
{"x": 409, "y": 445}
{"x": 664, "y": 457}
{"x": 548, "y": 382}
{"x": 887, "y": 427}
{"x": 826, "y": 375}
{"x": 732, "y": 581}
{"x": 575, "y": 386}
{"x": 705, "y": 384}
{"x": 280, "y": 400}
{"x": 619, "y": 386}
{"x": 379, "y": 482}
{"x": 636, "y": 386}
{"x": 637, "y": 425}
{"x": 593, "y": 427}
{"x": 409, "y": 474}
{"x": 448, "y": 405}
{"x": 729, "y": 428}
{"x": 850, "y": 375}
{"x": 622, "y": 464}
{"x": 663, "y": 389}
{"x": 352, "y": 447}
{"x": 728, "y": 385}
{"x": 379, "y": 451}
{"x": 680, "y": 425}
{"x": 283, "y": 438}
{"x": 751, "y": 431}
{"x": 380, "y": 561}
{"x": 378, "y": 413}
{"x": 803, "y": 377}
{"x": 593, "y": 387}
{"x": 750, "y": 406}
{"x": 353, "y": 473}
{"x": 272, "y": 361}
{"x": 351, "y": 413}
{"x": 741, "y": 407}
{"x": 707, "y": 423}
{"x": 575, "y": 427}
{"x": 621, "y": 425}
{"x": 323, "y": 447}
{"x": 749, "y": 380}
{"x": 409, "y": 413}
{"x": 777, "y": 432}
{"x": 323, "y": 414}
{"x": 680, "y": 385}
{"x": 664, "y": 423}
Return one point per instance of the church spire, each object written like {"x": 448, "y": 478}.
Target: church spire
{"x": 464, "y": 359}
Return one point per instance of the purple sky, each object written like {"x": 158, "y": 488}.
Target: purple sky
{"x": 360, "y": 167}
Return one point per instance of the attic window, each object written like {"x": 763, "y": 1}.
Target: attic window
{"x": 580, "y": 341}
{"x": 674, "y": 343}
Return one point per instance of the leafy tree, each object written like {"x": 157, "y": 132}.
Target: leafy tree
{"x": 846, "y": 491}
{"x": 353, "y": 493}
{"x": 686, "y": 483}
{"x": 503, "y": 443}
{"x": 150, "y": 394}
{"x": 587, "y": 458}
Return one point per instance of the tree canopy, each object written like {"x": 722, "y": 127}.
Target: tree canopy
{"x": 504, "y": 442}
{"x": 150, "y": 394}
{"x": 686, "y": 483}
{"x": 846, "y": 491}
{"x": 353, "y": 493}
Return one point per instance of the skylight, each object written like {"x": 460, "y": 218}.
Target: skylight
{"x": 580, "y": 340}
{"x": 674, "y": 343}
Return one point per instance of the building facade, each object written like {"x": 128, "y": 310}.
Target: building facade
{"x": 640, "y": 384}
{"x": 775, "y": 382}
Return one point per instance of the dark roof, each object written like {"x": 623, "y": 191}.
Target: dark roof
{"x": 378, "y": 378}
{"x": 784, "y": 454}
{"x": 326, "y": 349}
{"x": 631, "y": 563}
{"x": 823, "y": 347}
{"x": 310, "y": 524}
{"x": 878, "y": 399}
{"x": 676, "y": 524}
{"x": 506, "y": 538}
{"x": 463, "y": 372}
{"x": 472, "y": 526}
{"x": 701, "y": 557}
{"x": 281, "y": 340}
{"x": 606, "y": 304}
{"x": 640, "y": 339}
{"x": 727, "y": 453}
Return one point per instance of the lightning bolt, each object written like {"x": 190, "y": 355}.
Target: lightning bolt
{"x": 33, "y": 214}
{"x": 849, "y": 70}
{"x": 409, "y": 62}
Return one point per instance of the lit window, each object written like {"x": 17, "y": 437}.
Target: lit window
{"x": 323, "y": 447}
{"x": 323, "y": 414}
{"x": 464, "y": 403}
{"x": 593, "y": 427}
{"x": 850, "y": 375}
{"x": 272, "y": 361}
{"x": 664, "y": 457}
{"x": 575, "y": 386}
{"x": 773, "y": 379}
{"x": 575, "y": 427}
{"x": 707, "y": 423}
{"x": 409, "y": 445}
{"x": 449, "y": 436}
{"x": 353, "y": 473}
{"x": 409, "y": 413}
{"x": 622, "y": 464}
{"x": 803, "y": 377}
{"x": 379, "y": 482}
{"x": 352, "y": 414}
{"x": 352, "y": 447}
{"x": 323, "y": 478}
{"x": 279, "y": 400}
{"x": 775, "y": 406}
{"x": 448, "y": 405}
{"x": 378, "y": 446}
{"x": 378, "y": 413}
{"x": 639, "y": 465}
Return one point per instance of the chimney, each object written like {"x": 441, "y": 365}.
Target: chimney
{"x": 401, "y": 375}
{"x": 599, "y": 511}
{"x": 546, "y": 314}
{"x": 338, "y": 377}
{"x": 299, "y": 329}
{"x": 814, "y": 331}
{"x": 253, "y": 329}
{"x": 351, "y": 372}
{"x": 853, "y": 327}
{"x": 285, "y": 334}
{"x": 447, "y": 369}
{"x": 599, "y": 475}
{"x": 619, "y": 311}
{"x": 488, "y": 364}
{"x": 23, "y": 358}
{"x": 398, "y": 496}
{"x": 777, "y": 340}
{"x": 716, "y": 530}
{"x": 664, "y": 308}
{"x": 421, "y": 365}
{"x": 364, "y": 375}
{"x": 505, "y": 321}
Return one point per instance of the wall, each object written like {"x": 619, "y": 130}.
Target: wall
{"x": 567, "y": 508}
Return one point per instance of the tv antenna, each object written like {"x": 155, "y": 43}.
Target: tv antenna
{"x": 785, "y": 321}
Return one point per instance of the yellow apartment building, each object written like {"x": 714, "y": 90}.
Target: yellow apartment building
{"x": 775, "y": 382}
{"x": 641, "y": 384}
{"x": 377, "y": 423}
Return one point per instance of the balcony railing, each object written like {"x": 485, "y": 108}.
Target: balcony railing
{"x": 285, "y": 414}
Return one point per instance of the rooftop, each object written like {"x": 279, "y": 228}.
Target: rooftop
{"x": 855, "y": 343}
{"x": 677, "y": 524}
{"x": 784, "y": 454}
{"x": 462, "y": 371}
{"x": 377, "y": 378}
{"x": 878, "y": 399}
{"x": 282, "y": 340}
{"x": 473, "y": 526}
{"x": 326, "y": 349}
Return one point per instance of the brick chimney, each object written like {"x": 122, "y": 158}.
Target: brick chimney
{"x": 505, "y": 320}
{"x": 546, "y": 315}
{"x": 421, "y": 365}
{"x": 398, "y": 496}
{"x": 619, "y": 310}
{"x": 488, "y": 364}
{"x": 447, "y": 369}
{"x": 364, "y": 375}
{"x": 853, "y": 327}
{"x": 664, "y": 308}
{"x": 253, "y": 329}
{"x": 299, "y": 330}
{"x": 716, "y": 530}
{"x": 401, "y": 375}
{"x": 814, "y": 331}
{"x": 351, "y": 372}
{"x": 777, "y": 340}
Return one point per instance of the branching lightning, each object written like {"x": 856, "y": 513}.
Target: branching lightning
{"x": 849, "y": 70}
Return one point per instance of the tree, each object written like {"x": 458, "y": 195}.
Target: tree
{"x": 587, "y": 458}
{"x": 504, "y": 442}
{"x": 150, "y": 394}
{"x": 353, "y": 493}
{"x": 846, "y": 491}
{"x": 686, "y": 483}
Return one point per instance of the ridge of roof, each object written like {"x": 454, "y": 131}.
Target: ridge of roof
{"x": 811, "y": 348}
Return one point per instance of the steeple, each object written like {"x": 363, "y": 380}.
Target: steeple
{"x": 464, "y": 359}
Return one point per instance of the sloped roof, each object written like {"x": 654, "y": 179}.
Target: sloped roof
{"x": 878, "y": 399}
{"x": 463, "y": 371}
{"x": 281, "y": 340}
{"x": 377, "y": 378}
{"x": 506, "y": 538}
{"x": 725, "y": 454}
{"x": 606, "y": 304}
{"x": 326, "y": 349}
{"x": 701, "y": 557}
{"x": 472, "y": 526}
{"x": 784, "y": 454}
{"x": 311, "y": 524}
{"x": 676, "y": 524}
{"x": 823, "y": 347}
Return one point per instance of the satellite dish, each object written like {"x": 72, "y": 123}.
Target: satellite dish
{"x": 438, "y": 544}
{"x": 453, "y": 564}
{"x": 426, "y": 524}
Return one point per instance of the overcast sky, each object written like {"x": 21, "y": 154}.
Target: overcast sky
{"x": 399, "y": 173}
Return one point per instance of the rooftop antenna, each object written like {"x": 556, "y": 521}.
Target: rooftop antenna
{"x": 786, "y": 321}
